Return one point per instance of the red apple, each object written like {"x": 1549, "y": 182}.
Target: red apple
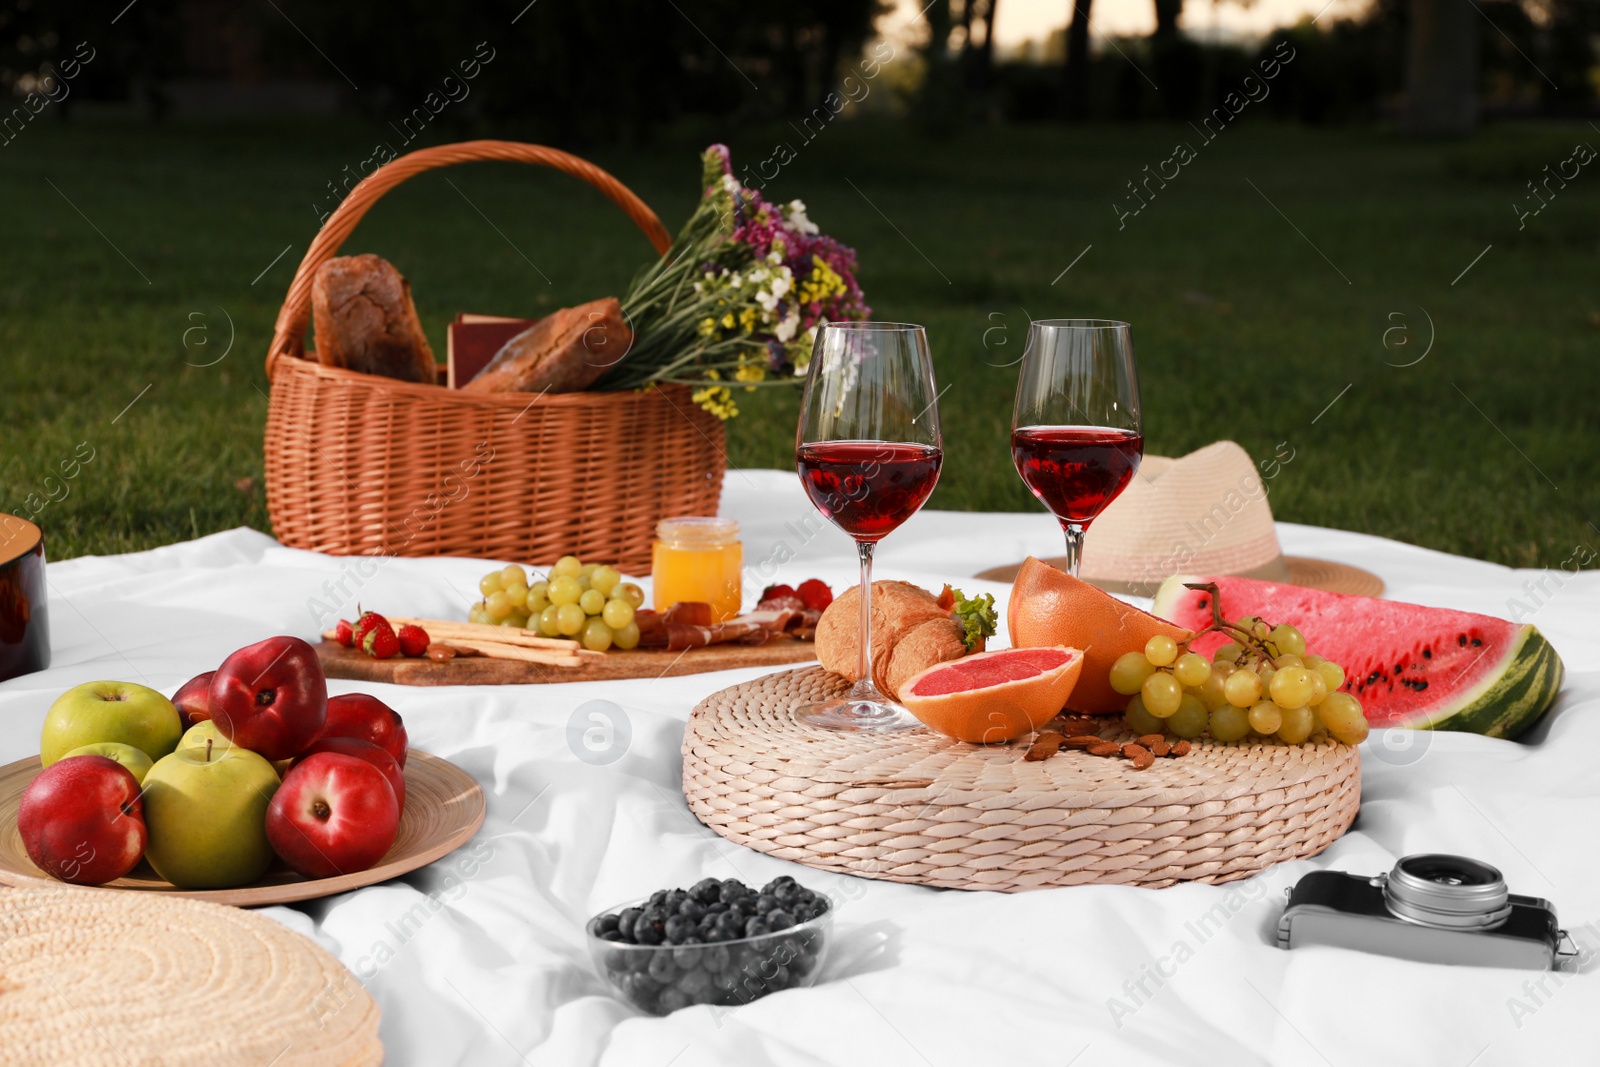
{"x": 270, "y": 697}
{"x": 193, "y": 699}
{"x": 333, "y": 814}
{"x": 368, "y": 751}
{"x": 81, "y": 820}
{"x": 369, "y": 719}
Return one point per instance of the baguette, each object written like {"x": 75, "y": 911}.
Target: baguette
{"x": 365, "y": 320}
{"x": 564, "y": 352}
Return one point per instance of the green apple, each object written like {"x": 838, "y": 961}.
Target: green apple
{"x": 137, "y": 763}
{"x": 205, "y": 730}
{"x": 206, "y": 810}
{"x": 93, "y": 712}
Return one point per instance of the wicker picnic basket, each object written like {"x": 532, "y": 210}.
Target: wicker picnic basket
{"x": 358, "y": 464}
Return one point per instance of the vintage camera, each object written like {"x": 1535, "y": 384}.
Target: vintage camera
{"x": 1431, "y": 908}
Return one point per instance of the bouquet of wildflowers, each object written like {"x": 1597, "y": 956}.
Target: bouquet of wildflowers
{"x": 737, "y": 299}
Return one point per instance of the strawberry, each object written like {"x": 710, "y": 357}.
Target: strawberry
{"x": 815, "y": 594}
{"x": 772, "y": 592}
{"x": 364, "y": 625}
{"x": 381, "y": 643}
{"x": 345, "y": 634}
{"x": 414, "y": 641}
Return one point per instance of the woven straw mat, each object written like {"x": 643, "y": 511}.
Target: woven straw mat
{"x": 917, "y": 807}
{"x": 94, "y": 977}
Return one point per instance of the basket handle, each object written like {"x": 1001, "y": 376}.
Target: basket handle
{"x": 289, "y": 333}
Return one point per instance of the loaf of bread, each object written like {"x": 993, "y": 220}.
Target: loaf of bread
{"x": 365, "y": 321}
{"x": 564, "y": 352}
{"x": 910, "y": 633}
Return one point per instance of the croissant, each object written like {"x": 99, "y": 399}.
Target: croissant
{"x": 910, "y": 633}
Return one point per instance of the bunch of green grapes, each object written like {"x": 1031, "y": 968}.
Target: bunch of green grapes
{"x": 1264, "y": 682}
{"x": 586, "y": 601}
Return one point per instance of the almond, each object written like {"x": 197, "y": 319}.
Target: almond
{"x": 1048, "y": 743}
{"x": 1139, "y": 756}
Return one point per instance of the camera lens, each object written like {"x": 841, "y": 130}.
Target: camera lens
{"x": 1447, "y": 891}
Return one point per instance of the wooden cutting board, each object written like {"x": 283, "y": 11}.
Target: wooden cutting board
{"x": 350, "y": 663}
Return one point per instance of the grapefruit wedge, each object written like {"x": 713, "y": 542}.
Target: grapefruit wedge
{"x": 1050, "y": 607}
{"x": 992, "y": 697}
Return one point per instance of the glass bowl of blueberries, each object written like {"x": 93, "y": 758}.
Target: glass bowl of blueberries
{"x": 717, "y": 942}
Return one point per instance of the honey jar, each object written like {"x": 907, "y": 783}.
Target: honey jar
{"x": 698, "y": 559}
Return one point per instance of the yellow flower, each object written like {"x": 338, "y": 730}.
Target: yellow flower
{"x": 750, "y": 372}
{"x": 747, "y": 319}
{"x": 728, "y": 321}
{"x": 717, "y": 400}
{"x": 821, "y": 283}
{"x": 707, "y": 326}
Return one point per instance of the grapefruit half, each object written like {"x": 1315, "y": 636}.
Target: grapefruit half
{"x": 992, "y": 697}
{"x": 1049, "y": 607}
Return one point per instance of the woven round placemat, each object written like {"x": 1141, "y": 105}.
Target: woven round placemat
{"x": 100, "y": 977}
{"x": 918, "y": 807}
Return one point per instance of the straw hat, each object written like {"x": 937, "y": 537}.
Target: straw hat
{"x": 1205, "y": 513}
{"x": 105, "y": 976}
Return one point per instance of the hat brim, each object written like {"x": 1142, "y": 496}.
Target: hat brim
{"x": 1322, "y": 574}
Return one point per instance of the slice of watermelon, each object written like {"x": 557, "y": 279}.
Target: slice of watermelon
{"x": 1424, "y": 668}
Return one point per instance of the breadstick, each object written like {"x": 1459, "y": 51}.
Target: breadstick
{"x": 505, "y": 635}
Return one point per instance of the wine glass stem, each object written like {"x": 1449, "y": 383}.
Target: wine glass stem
{"x": 864, "y": 686}
{"x": 1074, "y": 533}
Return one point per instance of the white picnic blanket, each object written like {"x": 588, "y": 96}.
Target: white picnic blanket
{"x": 481, "y": 958}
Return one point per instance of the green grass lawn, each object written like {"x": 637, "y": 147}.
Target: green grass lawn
{"x": 1250, "y": 317}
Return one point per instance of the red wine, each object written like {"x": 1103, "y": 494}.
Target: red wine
{"x": 1076, "y": 470}
{"x": 867, "y": 488}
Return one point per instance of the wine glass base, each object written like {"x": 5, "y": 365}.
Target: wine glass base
{"x": 854, "y": 715}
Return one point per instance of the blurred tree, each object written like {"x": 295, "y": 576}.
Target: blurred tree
{"x": 1076, "y": 69}
{"x": 1167, "y": 13}
{"x": 977, "y": 58}
{"x": 1442, "y": 68}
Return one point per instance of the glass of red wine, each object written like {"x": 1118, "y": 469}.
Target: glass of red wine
{"x": 1076, "y": 438}
{"x": 868, "y": 449}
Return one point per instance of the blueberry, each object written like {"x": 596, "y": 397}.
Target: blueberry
{"x": 804, "y": 896}
{"x": 659, "y": 897}
{"x": 673, "y": 999}
{"x": 785, "y": 893}
{"x": 650, "y": 926}
{"x": 706, "y": 890}
{"x": 732, "y": 890}
{"x": 608, "y": 923}
{"x": 625, "y": 922}
{"x": 714, "y": 958}
{"x": 676, "y": 898}
{"x": 724, "y": 980}
{"x": 765, "y": 903}
{"x": 695, "y": 983}
{"x": 776, "y": 882}
{"x": 662, "y": 968}
{"x": 692, "y": 909}
{"x": 716, "y": 907}
{"x": 611, "y": 935}
{"x": 689, "y": 954}
{"x": 677, "y": 928}
{"x": 729, "y": 926}
{"x": 779, "y": 919}
{"x": 755, "y": 926}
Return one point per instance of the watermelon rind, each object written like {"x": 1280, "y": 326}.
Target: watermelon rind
{"x": 1509, "y": 699}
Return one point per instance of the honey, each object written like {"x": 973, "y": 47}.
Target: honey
{"x": 698, "y": 559}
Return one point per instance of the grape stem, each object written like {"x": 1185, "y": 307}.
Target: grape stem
{"x": 1258, "y": 647}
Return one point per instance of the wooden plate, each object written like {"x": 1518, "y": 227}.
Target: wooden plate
{"x": 444, "y": 808}
{"x": 355, "y": 665}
